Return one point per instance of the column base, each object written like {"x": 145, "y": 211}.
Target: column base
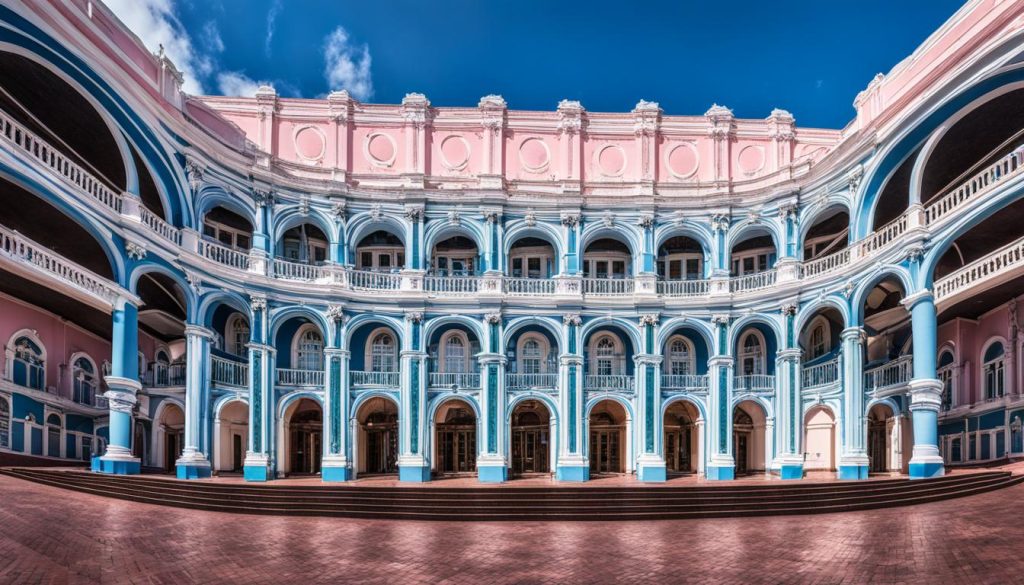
{"x": 791, "y": 471}
{"x": 491, "y": 473}
{"x": 335, "y": 468}
{"x": 256, "y": 467}
{"x": 720, "y": 472}
{"x": 852, "y": 472}
{"x": 120, "y": 465}
{"x": 651, "y": 468}
{"x": 926, "y": 462}
{"x": 192, "y": 465}
{"x": 414, "y": 473}
{"x": 575, "y": 473}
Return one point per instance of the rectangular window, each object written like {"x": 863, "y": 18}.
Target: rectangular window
{"x": 675, "y": 270}
{"x": 225, "y": 238}
{"x": 693, "y": 271}
{"x": 366, "y": 260}
{"x": 384, "y": 261}
{"x": 533, "y": 267}
{"x": 242, "y": 242}
{"x": 618, "y": 269}
{"x": 517, "y": 267}
{"x": 209, "y": 230}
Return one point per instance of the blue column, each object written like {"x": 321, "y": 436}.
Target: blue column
{"x": 721, "y": 465}
{"x": 925, "y": 388}
{"x": 790, "y": 462}
{"x": 853, "y": 459}
{"x": 193, "y": 463}
{"x": 650, "y": 464}
{"x": 261, "y": 360}
{"x": 571, "y": 465}
{"x": 647, "y": 223}
{"x": 413, "y": 465}
{"x": 122, "y": 386}
{"x": 572, "y": 254}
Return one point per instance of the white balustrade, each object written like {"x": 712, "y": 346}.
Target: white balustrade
{"x": 993, "y": 265}
{"x": 753, "y": 383}
{"x": 292, "y": 377}
{"x": 451, "y": 285}
{"x": 819, "y": 375}
{"x": 608, "y": 286}
{"x": 21, "y": 249}
{"x": 1006, "y": 167}
{"x": 371, "y": 280}
{"x": 617, "y": 383}
{"x": 689, "y": 382}
{"x": 161, "y": 227}
{"x": 883, "y": 236}
{"x": 826, "y": 264}
{"x": 230, "y": 372}
{"x": 28, "y": 143}
{"x": 386, "y": 379}
{"x": 526, "y": 381}
{"x": 288, "y": 270}
{"x": 528, "y": 287}
{"x": 894, "y": 373}
{"x": 454, "y": 380}
{"x": 684, "y": 288}
{"x": 222, "y": 254}
{"x": 164, "y": 375}
{"x": 755, "y": 281}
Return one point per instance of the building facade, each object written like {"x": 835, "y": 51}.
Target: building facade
{"x": 280, "y": 287}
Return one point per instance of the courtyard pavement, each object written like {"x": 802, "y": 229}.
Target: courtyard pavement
{"x": 50, "y": 535}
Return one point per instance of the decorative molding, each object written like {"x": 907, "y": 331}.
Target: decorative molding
{"x": 414, "y": 317}
{"x": 720, "y": 320}
{"x": 377, "y": 211}
{"x": 572, "y": 319}
{"x": 491, "y": 216}
{"x": 649, "y": 319}
{"x": 413, "y": 212}
{"x": 646, "y": 221}
{"x": 335, "y": 313}
{"x": 608, "y": 218}
{"x": 720, "y": 222}
{"x": 194, "y": 172}
{"x": 788, "y": 310}
{"x": 570, "y": 220}
{"x": 258, "y": 303}
{"x": 339, "y": 209}
{"x": 135, "y": 251}
{"x": 454, "y": 216}
{"x": 492, "y": 318}
{"x": 530, "y": 218}
{"x": 263, "y": 197}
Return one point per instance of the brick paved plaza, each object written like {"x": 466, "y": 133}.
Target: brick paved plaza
{"x": 54, "y": 536}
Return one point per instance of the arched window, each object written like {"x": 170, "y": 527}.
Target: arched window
{"x": 752, "y": 354}
{"x": 236, "y": 335}
{"x": 454, "y": 348}
{"x": 680, "y": 356}
{"x": 534, "y": 355}
{"x": 5, "y": 423}
{"x": 605, "y": 356}
{"x": 83, "y": 381}
{"x": 532, "y": 360}
{"x": 309, "y": 353}
{"x": 993, "y": 371}
{"x": 53, "y": 428}
{"x": 382, "y": 353}
{"x": 945, "y": 374}
{"x": 29, "y": 363}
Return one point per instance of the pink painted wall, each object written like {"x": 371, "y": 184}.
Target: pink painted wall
{"x": 969, "y": 339}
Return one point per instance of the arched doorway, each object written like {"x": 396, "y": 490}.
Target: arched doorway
{"x": 232, "y": 435}
{"x": 377, "y": 440}
{"x": 531, "y": 438}
{"x": 881, "y": 430}
{"x": 455, "y": 438}
{"x": 170, "y": 436}
{"x": 819, "y": 440}
{"x": 681, "y": 437}
{"x": 607, "y": 438}
{"x": 304, "y": 433}
{"x": 748, "y": 440}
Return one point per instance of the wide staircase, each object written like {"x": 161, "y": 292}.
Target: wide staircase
{"x": 526, "y": 503}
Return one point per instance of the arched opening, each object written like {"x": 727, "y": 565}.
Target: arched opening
{"x": 377, "y": 437}
{"x": 533, "y": 359}
{"x": 681, "y": 441}
{"x": 139, "y": 447}
{"x": 819, "y": 348}
{"x": 988, "y": 236}
{"x": 894, "y": 199}
{"x": 54, "y": 431}
{"x": 452, "y": 361}
{"x": 819, "y": 440}
{"x": 828, "y": 234}
{"x": 993, "y": 371}
{"x": 947, "y": 374}
{"x": 300, "y": 353}
{"x": 755, "y": 359}
{"x": 609, "y": 361}
{"x": 170, "y": 437}
{"x": 26, "y": 359}
{"x": 233, "y": 434}
{"x": 305, "y": 243}
{"x": 531, "y": 257}
{"x": 748, "y": 438}
{"x": 303, "y": 435}
{"x": 607, "y": 424}
{"x": 887, "y": 326}
{"x": 84, "y": 381}
{"x": 455, "y": 446}
{"x": 531, "y": 438}
{"x": 230, "y": 350}
{"x": 607, "y": 259}
{"x": 227, "y": 228}
{"x": 681, "y": 258}
{"x": 375, "y": 356}
{"x": 162, "y": 317}
{"x": 754, "y": 252}
{"x": 380, "y": 251}
{"x": 685, "y": 361}
{"x": 455, "y": 256}
{"x": 883, "y": 440}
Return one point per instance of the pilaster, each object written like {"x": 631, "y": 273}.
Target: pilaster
{"x": 193, "y": 463}
{"x": 721, "y": 464}
{"x": 853, "y": 459}
{"x": 572, "y": 465}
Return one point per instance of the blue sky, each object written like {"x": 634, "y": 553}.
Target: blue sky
{"x": 809, "y": 57}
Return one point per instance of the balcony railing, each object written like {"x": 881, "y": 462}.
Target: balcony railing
{"x": 451, "y": 285}
{"x": 292, "y": 377}
{"x": 755, "y": 281}
{"x": 288, "y": 270}
{"x": 895, "y": 373}
{"x": 617, "y": 383}
{"x": 825, "y": 264}
{"x": 222, "y": 254}
{"x": 753, "y": 383}
{"x": 370, "y": 280}
{"x": 1006, "y": 167}
{"x": 164, "y": 375}
{"x": 26, "y": 142}
{"x": 685, "y": 382}
{"x": 229, "y": 372}
{"x": 883, "y": 236}
{"x": 21, "y": 249}
{"x": 608, "y": 286}
{"x": 992, "y": 265}
{"x": 522, "y": 287}
{"x": 454, "y": 380}
{"x": 527, "y": 381}
{"x": 161, "y": 227}
{"x": 385, "y": 379}
{"x": 820, "y": 375}
{"x": 684, "y": 288}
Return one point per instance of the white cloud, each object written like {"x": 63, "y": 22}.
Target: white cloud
{"x": 154, "y": 22}
{"x": 275, "y": 9}
{"x": 211, "y": 37}
{"x": 236, "y": 83}
{"x": 346, "y": 66}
